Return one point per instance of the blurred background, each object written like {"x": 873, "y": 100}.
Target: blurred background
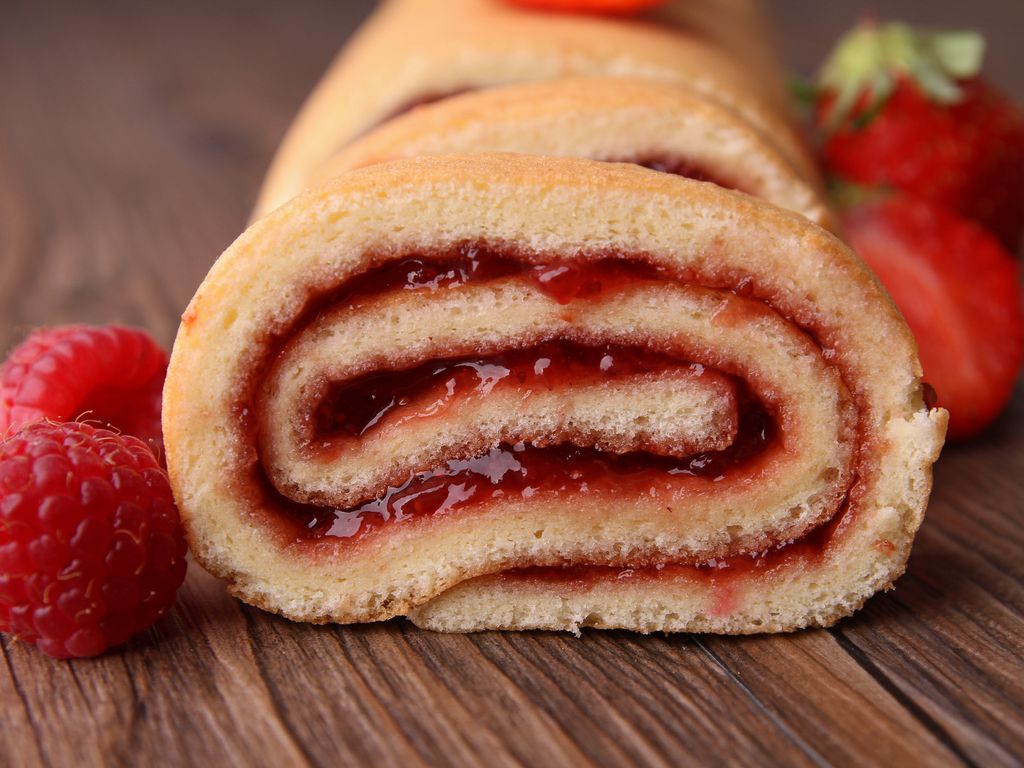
{"x": 133, "y": 135}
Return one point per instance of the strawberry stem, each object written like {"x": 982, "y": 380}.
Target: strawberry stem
{"x": 871, "y": 59}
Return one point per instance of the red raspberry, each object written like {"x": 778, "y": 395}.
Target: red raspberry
{"x": 91, "y": 546}
{"x": 109, "y": 374}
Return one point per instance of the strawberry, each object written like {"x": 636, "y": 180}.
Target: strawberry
{"x": 907, "y": 110}
{"x": 959, "y": 291}
{"x": 589, "y": 6}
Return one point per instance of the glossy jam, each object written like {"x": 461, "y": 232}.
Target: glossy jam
{"x": 564, "y": 282}
{"x": 509, "y": 471}
{"x": 352, "y": 408}
{"x": 523, "y": 471}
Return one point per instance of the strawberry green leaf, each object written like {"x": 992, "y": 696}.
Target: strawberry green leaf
{"x": 961, "y": 53}
{"x": 868, "y": 61}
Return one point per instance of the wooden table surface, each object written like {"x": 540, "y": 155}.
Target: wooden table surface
{"x": 132, "y": 139}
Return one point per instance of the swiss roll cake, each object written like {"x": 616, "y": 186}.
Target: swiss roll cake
{"x": 415, "y": 52}
{"x": 664, "y": 126}
{"x": 507, "y": 391}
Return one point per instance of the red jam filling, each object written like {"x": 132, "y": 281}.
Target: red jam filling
{"x": 520, "y": 471}
{"x": 351, "y": 408}
{"x": 422, "y": 101}
{"x": 564, "y": 283}
{"x": 524, "y": 471}
{"x": 682, "y": 167}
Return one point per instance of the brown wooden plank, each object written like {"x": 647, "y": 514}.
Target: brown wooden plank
{"x": 516, "y": 699}
{"x": 250, "y": 688}
{"x": 629, "y": 699}
{"x": 812, "y": 685}
{"x": 18, "y": 736}
{"x": 56, "y": 694}
{"x": 950, "y": 639}
{"x": 188, "y": 691}
{"x": 363, "y": 689}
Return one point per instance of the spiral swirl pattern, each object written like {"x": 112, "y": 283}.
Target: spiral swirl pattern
{"x": 501, "y": 391}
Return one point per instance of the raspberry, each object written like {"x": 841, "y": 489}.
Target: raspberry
{"x": 109, "y": 374}
{"x": 91, "y": 546}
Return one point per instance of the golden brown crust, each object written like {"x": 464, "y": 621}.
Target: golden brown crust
{"x": 563, "y": 208}
{"x": 412, "y": 50}
{"x": 604, "y": 118}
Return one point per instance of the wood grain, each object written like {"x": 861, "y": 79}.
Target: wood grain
{"x": 132, "y": 138}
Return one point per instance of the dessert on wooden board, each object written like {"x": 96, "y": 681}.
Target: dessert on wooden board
{"x": 468, "y": 421}
{"x": 546, "y": 392}
{"x": 553, "y": 338}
